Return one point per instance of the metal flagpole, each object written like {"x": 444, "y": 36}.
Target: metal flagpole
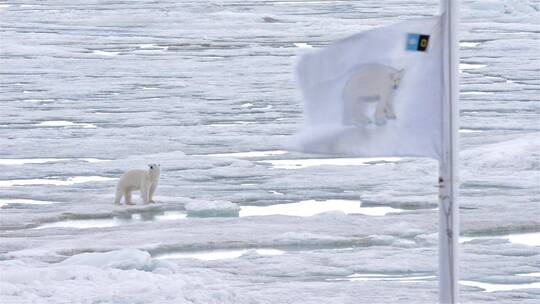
{"x": 448, "y": 164}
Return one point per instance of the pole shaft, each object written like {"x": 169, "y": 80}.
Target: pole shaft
{"x": 448, "y": 165}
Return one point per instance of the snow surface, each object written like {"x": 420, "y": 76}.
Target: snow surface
{"x": 212, "y": 209}
{"x": 91, "y": 88}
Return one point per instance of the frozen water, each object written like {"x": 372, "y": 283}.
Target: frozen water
{"x": 62, "y": 123}
{"x": 5, "y": 202}
{"x": 530, "y": 239}
{"x": 303, "y": 163}
{"x": 211, "y": 255}
{"x": 24, "y": 161}
{"x": 488, "y": 287}
{"x": 250, "y": 154}
{"x": 470, "y": 66}
{"x": 91, "y": 89}
{"x": 469, "y": 131}
{"x": 52, "y": 181}
{"x": 476, "y": 93}
{"x": 170, "y": 216}
{"x": 115, "y": 221}
{"x": 310, "y": 208}
{"x": 83, "y": 224}
{"x": 105, "y": 53}
{"x": 212, "y": 209}
{"x": 469, "y": 44}
{"x": 121, "y": 259}
{"x": 386, "y": 277}
{"x": 534, "y": 274}
{"x": 302, "y": 45}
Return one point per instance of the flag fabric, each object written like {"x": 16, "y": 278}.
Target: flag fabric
{"x": 377, "y": 93}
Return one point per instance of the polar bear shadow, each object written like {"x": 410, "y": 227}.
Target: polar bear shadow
{"x": 368, "y": 94}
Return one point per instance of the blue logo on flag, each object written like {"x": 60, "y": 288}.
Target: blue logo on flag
{"x": 412, "y": 42}
{"x": 417, "y": 42}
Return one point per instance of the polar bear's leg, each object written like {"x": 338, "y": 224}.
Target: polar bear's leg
{"x": 128, "y": 198}
{"x": 362, "y": 119}
{"x": 390, "y": 113}
{"x": 152, "y": 190}
{"x": 118, "y": 196}
{"x": 380, "y": 115}
{"x": 145, "y": 193}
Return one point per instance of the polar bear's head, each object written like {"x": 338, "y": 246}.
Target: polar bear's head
{"x": 154, "y": 168}
{"x": 396, "y": 77}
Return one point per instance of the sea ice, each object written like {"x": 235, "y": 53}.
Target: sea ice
{"x": 211, "y": 209}
{"x": 205, "y": 88}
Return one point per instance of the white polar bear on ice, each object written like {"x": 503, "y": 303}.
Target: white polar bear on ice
{"x": 144, "y": 180}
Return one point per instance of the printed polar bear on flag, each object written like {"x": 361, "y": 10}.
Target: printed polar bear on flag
{"x": 368, "y": 94}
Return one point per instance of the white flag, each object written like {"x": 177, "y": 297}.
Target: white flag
{"x": 377, "y": 93}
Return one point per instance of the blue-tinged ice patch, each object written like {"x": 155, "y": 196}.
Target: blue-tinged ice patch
{"x": 212, "y": 209}
{"x": 124, "y": 259}
{"x": 222, "y": 254}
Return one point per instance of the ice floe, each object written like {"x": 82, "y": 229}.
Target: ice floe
{"x": 530, "y": 239}
{"x": 54, "y": 181}
{"x": 490, "y": 287}
{"x": 211, "y": 209}
{"x": 115, "y": 220}
{"x": 7, "y": 201}
{"x": 24, "y": 161}
{"x": 64, "y": 123}
{"x": 304, "y": 163}
{"x": 310, "y": 208}
{"x": 211, "y": 255}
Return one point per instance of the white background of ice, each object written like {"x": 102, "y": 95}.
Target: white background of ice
{"x": 89, "y": 89}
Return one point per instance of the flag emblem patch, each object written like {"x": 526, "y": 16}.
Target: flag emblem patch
{"x": 417, "y": 42}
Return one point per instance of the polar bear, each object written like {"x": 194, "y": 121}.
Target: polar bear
{"x": 370, "y": 83}
{"x": 144, "y": 180}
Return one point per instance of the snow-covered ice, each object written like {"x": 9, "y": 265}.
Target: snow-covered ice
{"x": 310, "y": 208}
{"x": 212, "y": 209}
{"x": 211, "y": 255}
{"x": 90, "y": 89}
{"x": 531, "y": 239}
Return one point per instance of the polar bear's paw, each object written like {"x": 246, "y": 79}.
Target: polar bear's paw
{"x": 380, "y": 120}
